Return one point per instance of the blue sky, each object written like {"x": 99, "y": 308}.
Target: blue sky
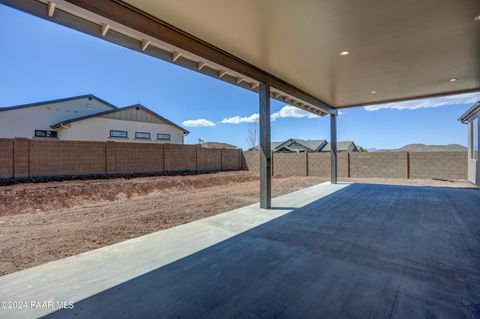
{"x": 42, "y": 61}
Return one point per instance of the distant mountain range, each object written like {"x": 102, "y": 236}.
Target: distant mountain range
{"x": 423, "y": 148}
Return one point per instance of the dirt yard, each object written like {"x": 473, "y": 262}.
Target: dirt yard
{"x": 47, "y": 221}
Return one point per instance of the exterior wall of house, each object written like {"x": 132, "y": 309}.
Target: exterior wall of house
{"x": 134, "y": 114}
{"x": 23, "y": 122}
{"x": 98, "y": 129}
{"x": 473, "y": 163}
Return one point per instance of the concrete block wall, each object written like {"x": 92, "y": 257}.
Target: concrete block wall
{"x": 379, "y": 165}
{"x": 110, "y": 157}
{"x": 251, "y": 161}
{"x": 290, "y": 164}
{"x": 138, "y": 158}
{"x": 319, "y": 164}
{"x": 180, "y": 157}
{"x": 50, "y": 158}
{"x": 23, "y": 158}
{"x": 209, "y": 159}
{"x": 449, "y": 165}
{"x": 6, "y": 158}
{"x": 231, "y": 159}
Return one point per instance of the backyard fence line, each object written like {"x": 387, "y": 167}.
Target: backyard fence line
{"x": 29, "y": 158}
{"x": 402, "y": 165}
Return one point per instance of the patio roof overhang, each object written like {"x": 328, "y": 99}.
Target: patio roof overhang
{"x": 397, "y": 50}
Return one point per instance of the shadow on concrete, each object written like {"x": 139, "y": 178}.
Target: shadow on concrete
{"x": 366, "y": 251}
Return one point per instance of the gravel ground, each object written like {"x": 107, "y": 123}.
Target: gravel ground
{"x": 47, "y": 221}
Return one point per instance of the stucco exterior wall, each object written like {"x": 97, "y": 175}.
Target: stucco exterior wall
{"x": 473, "y": 164}
{"x": 23, "y": 122}
{"x": 98, "y": 129}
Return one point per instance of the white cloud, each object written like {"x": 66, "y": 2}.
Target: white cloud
{"x": 198, "y": 123}
{"x": 469, "y": 98}
{"x": 284, "y": 112}
{"x": 292, "y": 111}
{"x": 237, "y": 119}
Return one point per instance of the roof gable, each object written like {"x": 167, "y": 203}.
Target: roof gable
{"x": 312, "y": 145}
{"x": 341, "y": 146}
{"x": 136, "y": 112}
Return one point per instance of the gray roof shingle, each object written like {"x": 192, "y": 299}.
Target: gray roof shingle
{"x": 341, "y": 146}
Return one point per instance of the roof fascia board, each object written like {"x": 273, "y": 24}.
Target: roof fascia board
{"x": 22, "y": 106}
{"x": 410, "y": 98}
{"x": 321, "y": 146}
{"x": 146, "y": 109}
{"x": 469, "y": 113}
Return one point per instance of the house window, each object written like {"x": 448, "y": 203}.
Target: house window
{"x": 118, "y": 134}
{"x": 163, "y": 137}
{"x": 44, "y": 133}
{"x": 142, "y": 135}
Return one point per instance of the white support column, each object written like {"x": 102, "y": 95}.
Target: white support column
{"x": 265, "y": 148}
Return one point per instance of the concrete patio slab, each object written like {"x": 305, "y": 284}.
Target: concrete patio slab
{"x": 41, "y": 290}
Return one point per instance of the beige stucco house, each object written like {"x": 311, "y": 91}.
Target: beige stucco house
{"x": 88, "y": 118}
{"x": 472, "y": 118}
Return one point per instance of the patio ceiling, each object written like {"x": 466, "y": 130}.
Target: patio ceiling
{"x": 398, "y": 49}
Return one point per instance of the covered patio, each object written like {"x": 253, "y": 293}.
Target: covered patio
{"x": 328, "y": 251}
{"x": 319, "y": 56}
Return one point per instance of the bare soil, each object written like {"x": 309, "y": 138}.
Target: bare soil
{"x": 47, "y": 221}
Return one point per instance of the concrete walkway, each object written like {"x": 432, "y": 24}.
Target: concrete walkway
{"x": 42, "y": 290}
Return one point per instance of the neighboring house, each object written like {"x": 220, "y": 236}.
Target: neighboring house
{"x": 417, "y": 147}
{"x": 88, "y": 118}
{"x": 216, "y": 145}
{"x": 347, "y": 146}
{"x": 472, "y": 118}
{"x": 295, "y": 145}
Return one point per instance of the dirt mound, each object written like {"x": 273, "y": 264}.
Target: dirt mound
{"x": 24, "y": 198}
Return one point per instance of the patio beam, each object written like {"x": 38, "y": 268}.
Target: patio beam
{"x": 333, "y": 148}
{"x": 265, "y": 149}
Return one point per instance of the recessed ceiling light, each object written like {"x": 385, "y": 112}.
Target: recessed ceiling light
{"x": 453, "y": 80}
{"x": 373, "y": 92}
{"x": 477, "y": 18}
{"x": 344, "y": 53}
